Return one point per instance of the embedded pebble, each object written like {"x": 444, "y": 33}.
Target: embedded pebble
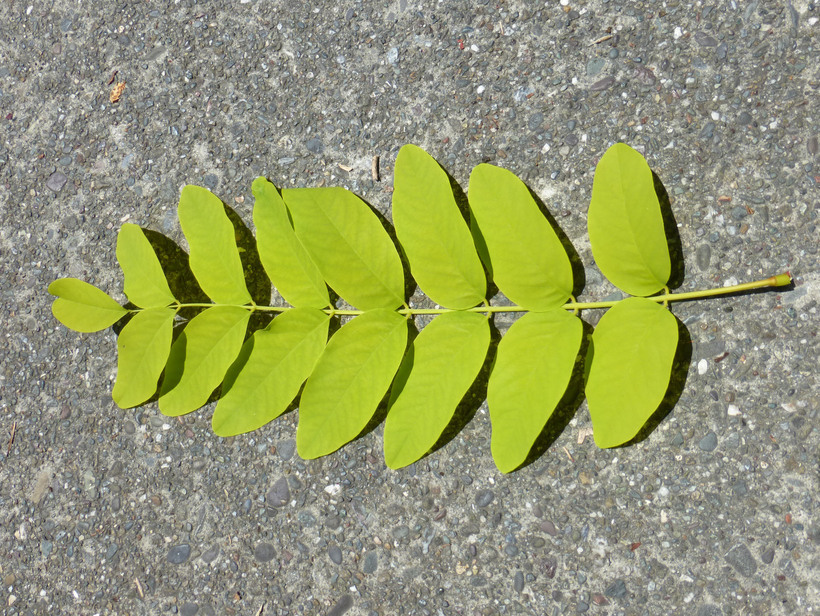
{"x": 264, "y": 552}
{"x": 703, "y": 256}
{"x": 341, "y": 606}
{"x": 484, "y": 498}
{"x": 708, "y": 442}
{"x": 742, "y": 560}
{"x": 279, "y": 494}
{"x": 518, "y": 581}
{"x": 286, "y": 449}
{"x": 602, "y": 84}
{"x": 179, "y": 554}
{"x": 56, "y": 181}
{"x": 335, "y": 554}
{"x": 616, "y": 590}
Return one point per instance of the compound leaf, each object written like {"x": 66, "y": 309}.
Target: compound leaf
{"x": 286, "y": 261}
{"x": 625, "y": 224}
{"x": 145, "y": 282}
{"x": 199, "y": 358}
{"x": 348, "y": 244}
{"x": 83, "y": 307}
{"x": 433, "y": 233}
{"x": 532, "y": 370}
{"x": 433, "y": 378}
{"x": 349, "y": 381}
{"x": 214, "y": 258}
{"x": 142, "y": 350}
{"x": 271, "y": 368}
{"x": 528, "y": 261}
{"x": 634, "y": 347}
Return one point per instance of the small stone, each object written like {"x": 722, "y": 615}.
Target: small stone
{"x": 595, "y": 66}
{"x": 602, "y": 84}
{"x": 342, "y": 606}
{"x": 703, "y": 367}
{"x": 703, "y": 256}
{"x": 599, "y": 599}
{"x": 535, "y": 121}
{"x": 549, "y": 528}
{"x": 9, "y": 580}
{"x": 484, "y": 498}
{"x": 279, "y": 494}
{"x": 315, "y": 146}
{"x": 56, "y": 181}
{"x": 616, "y": 590}
{"x": 179, "y": 554}
{"x": 742, "y": 560}
{"x": 189, "y": 609}
{"x": 393, "y": 55}
{"x": 286, "y": 449}
{"x": 333, "y": 522}
{"x": 518, "y": 581}
{"x": 708, "y": 442}
{"x": 335, "y": 554}
{"x": 705, "y": 40}
{"x": 264, "y": 552}
{"x": 767, "y": 556}
{"x": 582, "y": 607}
{"x": 112, "y": 549}
{"x": 210, "y": 555}
{"x": 371, "y": 562}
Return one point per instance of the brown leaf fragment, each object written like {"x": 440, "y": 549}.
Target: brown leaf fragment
{"x": 117, "y": 92}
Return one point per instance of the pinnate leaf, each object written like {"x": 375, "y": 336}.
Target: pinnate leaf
{"x": 348, "y": 244}
{"x": 286, "y": 261}
{"x": 433, "y": 233}
{"x": 145, "y": 282}
{"x": 528, "y": 261}
{"x": 214, "y": 258}
{"x": 270, "y": 369}
{"x": 433, "y": 378}
{"x": 83, "y": 307}
{"x": 142, "y": 350}
{"x": 634, "y": 347}
{"x": 532, "y": 370}
{"x": 625, "y": 224}
{"x": 350, "y": 379}
{"x": 199, "y": 358}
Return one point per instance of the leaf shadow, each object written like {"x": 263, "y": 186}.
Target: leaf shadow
{"x": 380, "y": 414}
{"x": 677, "y": 383}
{"x": 175, "y": 265}
{"x": 578, "y": 273}
{"x": 568, "y": 405}
{"x": 256, "y": 279}
{"x": 410, "y": 285}
{"x": 673, "y": 241}
{"x": 472, "y": 399}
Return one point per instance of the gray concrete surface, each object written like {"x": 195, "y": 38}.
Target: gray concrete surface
{"x": 105, "y": 511}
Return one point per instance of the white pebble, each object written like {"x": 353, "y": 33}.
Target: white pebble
{"x": 678, "y": 32}
{"x": 733, "y": 410}
{"x": 703, "y": 366}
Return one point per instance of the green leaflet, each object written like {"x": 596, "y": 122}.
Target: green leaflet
{"x": 145, "y": 283}
{"x": 349, "y": 246}
{"x": 532, "y": 370}
{"x": 634, "y": 346}
{"x": 271, "y": 368}
{"x": 142, "y": 350}
{"x": 214, "y": 257}
{"x": 529, "y": 264}
{"x": 199, "y": 358}
{"x": 83, "y": 307}
{"x": 286, "y": 261}
{"x": 434, "y": 236}
{"x": 349, "y": 381}
{"x": 433, "y": 378}
{"x": 625, "y": 224}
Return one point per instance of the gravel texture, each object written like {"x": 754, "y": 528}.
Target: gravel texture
{"x": 106, "y": 511}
